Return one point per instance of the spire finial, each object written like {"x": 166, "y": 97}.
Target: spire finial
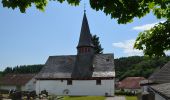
{"x": 84, "y": 7}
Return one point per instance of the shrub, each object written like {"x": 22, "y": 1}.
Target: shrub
{"x": 16, "y": 95}
{"x": 124, "y": 93}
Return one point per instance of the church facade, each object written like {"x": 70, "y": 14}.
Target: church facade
{"x": 83, "y": 74}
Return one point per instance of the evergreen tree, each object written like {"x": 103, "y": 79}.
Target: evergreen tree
{"x": 23, "y": 69}
{"x": 7, "y": 70}
{"x": 0, "y": 74}
{"x": 97, "y": 46}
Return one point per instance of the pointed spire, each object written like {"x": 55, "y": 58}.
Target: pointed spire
{"x": 85, "y": 35}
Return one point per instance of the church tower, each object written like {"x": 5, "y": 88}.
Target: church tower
{"x": 85, "y": 45}
{"x": 85, "y": 53}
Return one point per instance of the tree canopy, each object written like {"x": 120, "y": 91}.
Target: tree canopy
{"x": 23, "y": 69}
{"x": 138, "y": 66}
{"x": 154, "y": 41}
{"x": 97, "y": 46}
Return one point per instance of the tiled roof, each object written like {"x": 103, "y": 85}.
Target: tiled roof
{"x": 162, "y": 89}
{"x": 16, "y": 79}
{"x": 63, "y": 67}
{"x": 130, "y": 83}
{"x": 162, "y": 75}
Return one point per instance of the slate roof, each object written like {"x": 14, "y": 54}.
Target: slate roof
{"x": 162, "y": 75}
{"x": 61, "y": 67}
{"x": 131, "y": 83}
{"x": 85, "y": 35}
{"x": 16, "y": 79}
{"x": 83, "y": 66}
{"x": 162, "y": 89}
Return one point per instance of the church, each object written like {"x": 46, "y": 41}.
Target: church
{"x": 83, "y": 74}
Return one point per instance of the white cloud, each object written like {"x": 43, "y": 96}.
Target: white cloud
{"x": 127, "y": 47}
{"x": 167, "y": 53}
{"x": 146, "y": 26}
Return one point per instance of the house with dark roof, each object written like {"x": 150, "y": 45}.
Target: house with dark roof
{"x": 22, "y": 82}
{"x": 86, "y": 73}
{"x": 131, "y": 84}
{"x": 157, "y": 87}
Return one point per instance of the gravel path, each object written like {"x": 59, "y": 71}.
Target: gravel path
{"x": 116, "y": 98}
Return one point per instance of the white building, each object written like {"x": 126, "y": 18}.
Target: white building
{"x": 86, "y": 73}
{"x": 22, "y": 82}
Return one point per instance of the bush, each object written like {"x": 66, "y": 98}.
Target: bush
{"x": 44, "y": 92}
{"x": 125, "y": 93}
{"x": 0, "y": 96}
{"x": 16, "y": 95}
{"x": 33, "y": 94}
{"x": 4, "y": 91}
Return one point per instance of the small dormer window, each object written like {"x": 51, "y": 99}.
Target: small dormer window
{"x": 107, "y": 59}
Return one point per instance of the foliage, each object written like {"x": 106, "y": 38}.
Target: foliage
{"x": 123, "y": 64}
{"x": 2, "y": 91}
{"x": 123, "y": 10}
{"x": 138, "y": 66}
{"x": 124, "y": 93}
{"x": 24, "y": 4}
{"x": 1, "y": 96}
{"x": 0, "y": 74}
{"x": 85, "y": 98}
{"x": 97, "y": 46}
{"x": 44, "y": 92}
{"x": 23, "y": 69}
{"x": 17, "y": 95}
{"x": 154, "y": 41}
{"x": 131, "y": 98}
{"x": 31, "y": 94}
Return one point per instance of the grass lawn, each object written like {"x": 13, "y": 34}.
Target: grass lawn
{"x": 85, "y": 98}
{"x": 131, "y": 98}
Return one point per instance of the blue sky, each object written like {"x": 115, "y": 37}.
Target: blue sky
{"x": 31, "y": 37}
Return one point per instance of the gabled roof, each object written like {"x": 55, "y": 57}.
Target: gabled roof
{"x": 162, "y": 75}
{"x": 162, "y": 89}
{"x": 85, "y": 35}
{"x": 16, "y": 79}
{"x": 131, "y": 83}
{"x": 61, "y": 67}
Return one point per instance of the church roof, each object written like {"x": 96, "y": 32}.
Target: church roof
{"x": 162, "y": 75}
{"x": 85, "y": 35}
{"x": 16, "y": 79}
{"x": 61, "y": 67}
{"x": 163, "y": 90}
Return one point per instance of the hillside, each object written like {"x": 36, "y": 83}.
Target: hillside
{"x": 124, "y": 66}
{"x": 138, "y": 66}
{"x": 23, "y": 69}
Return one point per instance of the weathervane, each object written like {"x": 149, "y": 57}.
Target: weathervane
{"x": 84, "y": 7}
